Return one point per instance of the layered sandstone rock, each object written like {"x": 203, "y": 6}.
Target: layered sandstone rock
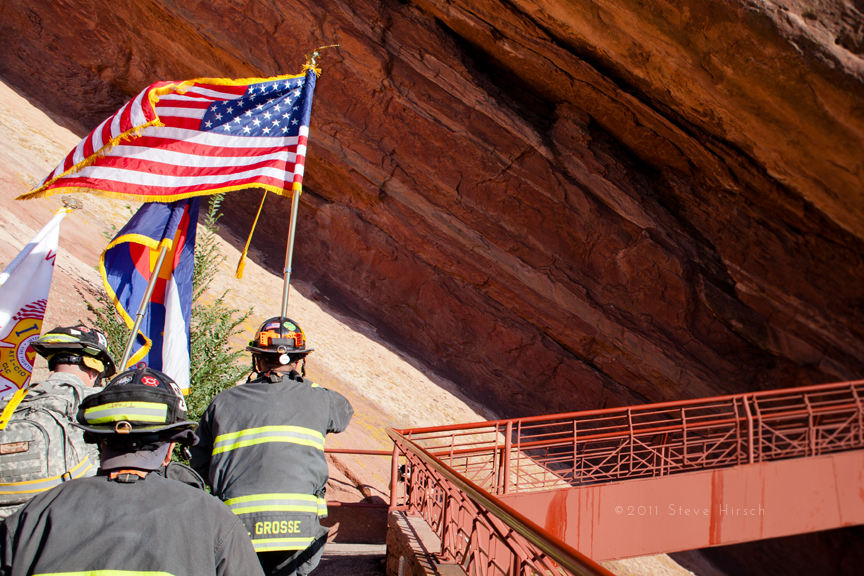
{"x": 559, "y": 205}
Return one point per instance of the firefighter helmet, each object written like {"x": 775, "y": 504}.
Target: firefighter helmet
{"x": 141, "y": 404}
{"x": 280, "y": 336}
{"x": 77, "y": 345}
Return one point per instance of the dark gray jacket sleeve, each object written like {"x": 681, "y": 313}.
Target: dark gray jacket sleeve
{"x": 235, "y": 555}
{"x": 202, "y": 451}
{"x": 7, "y": 543}
{"x": 341, "y": 412}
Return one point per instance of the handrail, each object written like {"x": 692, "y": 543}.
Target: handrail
{"x": 615, "y": 444}
{"x": 562, "y": 441}
{"x": 767, "y": 394}
{"x": 566, "y": 556}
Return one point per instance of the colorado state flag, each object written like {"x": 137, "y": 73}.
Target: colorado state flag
{"x": 127, "y": 264}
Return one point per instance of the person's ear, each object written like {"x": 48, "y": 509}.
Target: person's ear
{"x": 93, "y": 374}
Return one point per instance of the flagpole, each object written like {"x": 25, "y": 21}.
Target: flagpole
{"x": 289, "y": 252}
{"x": 143, "y": 307}
{"x": 295, "y": 203}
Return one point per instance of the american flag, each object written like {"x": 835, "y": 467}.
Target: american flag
{"x": 181, "y": 139}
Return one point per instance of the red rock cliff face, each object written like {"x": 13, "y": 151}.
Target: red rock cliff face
{"x": 560, "y": 205}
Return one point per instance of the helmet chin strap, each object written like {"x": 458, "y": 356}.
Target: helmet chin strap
{"x": 255, "y": 371}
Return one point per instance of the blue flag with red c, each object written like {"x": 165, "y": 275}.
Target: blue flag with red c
{"x": 127, "y": 265}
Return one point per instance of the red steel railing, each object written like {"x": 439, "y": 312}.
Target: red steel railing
{"x": 484, "y": 535}
{"x": 545, "y": 452}
{"x": 477, "y": 531}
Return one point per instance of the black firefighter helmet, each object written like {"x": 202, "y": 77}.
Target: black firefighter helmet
{"x": 139, "y": 407}
{"x": 280, "y": 338}
{"x": 76, "y": 345}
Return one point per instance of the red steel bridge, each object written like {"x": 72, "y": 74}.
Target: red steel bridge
{"x": 554, "y": 494}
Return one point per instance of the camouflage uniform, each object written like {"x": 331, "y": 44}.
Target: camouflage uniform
{"x": 47, "y": 405}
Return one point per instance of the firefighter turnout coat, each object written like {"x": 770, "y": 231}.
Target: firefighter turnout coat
{"x": 261, "y": 449}
{"x": 128, "y": 525}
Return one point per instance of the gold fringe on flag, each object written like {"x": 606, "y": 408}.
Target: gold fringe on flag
{"x": 242, "y": 263}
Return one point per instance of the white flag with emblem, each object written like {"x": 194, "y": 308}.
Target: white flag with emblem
{"x": 24, "y": 287}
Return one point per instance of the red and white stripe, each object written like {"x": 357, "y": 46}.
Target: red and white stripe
{"x": 32, "y": 310}
{"x": 135, "y": 113}
{"x": 177, "y": 160}
{"x": 300, "y": 156}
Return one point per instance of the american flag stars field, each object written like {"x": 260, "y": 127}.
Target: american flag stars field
{"x": 269, "y": 109}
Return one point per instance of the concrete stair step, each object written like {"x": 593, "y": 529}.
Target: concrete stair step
{"x": 341, "y": 559}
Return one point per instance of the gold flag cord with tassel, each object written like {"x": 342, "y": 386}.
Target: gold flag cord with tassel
{"x": 14, "y": 400}
{"x": 242, "y": 263}
{"x": 311, "y": 59}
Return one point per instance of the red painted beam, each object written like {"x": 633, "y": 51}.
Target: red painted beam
{"x": 705, "y": 508}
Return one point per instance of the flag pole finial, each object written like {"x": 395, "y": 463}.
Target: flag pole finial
{"x": 71, "y": 202}
{"x": 312, "y": 57}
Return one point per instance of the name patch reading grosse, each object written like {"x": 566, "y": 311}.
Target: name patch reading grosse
{"x": 277, "y": 527}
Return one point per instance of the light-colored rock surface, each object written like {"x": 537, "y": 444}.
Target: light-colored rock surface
{"x": 659, "y": 565}
{"x": 348, "y": 356}
{"x": 558, "y": 205}
{"x": 386, "y": 387}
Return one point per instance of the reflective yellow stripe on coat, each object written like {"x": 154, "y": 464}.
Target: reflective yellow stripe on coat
{"x": 265, "y": 544}
{"x": 278, "y": 503}
{"x": 253, "y": 436}
{"x": 105, "y": 573}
